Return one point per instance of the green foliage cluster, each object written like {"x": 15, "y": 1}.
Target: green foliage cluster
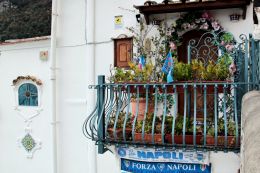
{"x": 227, "y": 37}
{"x": 231, "y": 128}
{"x": 133, "y": 74}
{"x": 26, "y": 19}
{"x": 120, "y": 120}
{"x": 149, "y": 124}
{"x": 182, "y": 71}
{"x": 197, "y": 70}
{"x": 178, "y": 127}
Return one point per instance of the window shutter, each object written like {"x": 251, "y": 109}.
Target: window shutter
{"x": 123, "y": 51}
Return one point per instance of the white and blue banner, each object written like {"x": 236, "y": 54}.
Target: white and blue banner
{"x": 155, "y": 155}
{"x": 132, "y": 166}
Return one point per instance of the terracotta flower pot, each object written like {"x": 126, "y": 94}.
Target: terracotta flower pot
{"x": 119, "y": 133}
{"x": 141, "y": 107}
{"x": 148, "y": 138}
{"x": 178, "y": 139}
{"x": 231, "y": 141}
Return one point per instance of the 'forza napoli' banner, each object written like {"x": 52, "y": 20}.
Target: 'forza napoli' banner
{"x": 155, "y": 155}
{"x": 131, "y": 166}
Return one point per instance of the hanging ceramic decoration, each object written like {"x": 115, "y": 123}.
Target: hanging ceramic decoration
{"x": 29, "y": 143}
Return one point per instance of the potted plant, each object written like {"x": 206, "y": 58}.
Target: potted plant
{"x": 148, "y": 129}
{"x": 178, "y": 131}
{"x": 119, "y": 126}
{"x": 182, "y": 74}
{"x": 231, "y": 129}
{"x": 212, "y": 72}
{"x": 135, "y": 78}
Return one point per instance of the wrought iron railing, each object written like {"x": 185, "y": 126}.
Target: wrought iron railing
{"x": 187, "y": 115}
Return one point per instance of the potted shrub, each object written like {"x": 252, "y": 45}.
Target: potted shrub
{"x": 231, "y": 129}
{"x": 213, "y": 72}
{"x": 182, "y": 73}
{"x": 148, "y": 129}
{"x": 178, "y": 131}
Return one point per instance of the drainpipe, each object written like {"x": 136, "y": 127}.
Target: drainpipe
{"x": 53, "y": 83}
{"x": 91, "y": 148}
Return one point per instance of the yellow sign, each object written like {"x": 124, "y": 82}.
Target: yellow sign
{"x": 118, "y": 21}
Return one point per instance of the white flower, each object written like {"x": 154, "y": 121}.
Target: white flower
{"x": 229, "y": 47}
{"x": 203, "y": 20}
{"x": 232, "y": 68}
{"x": 204, "y": 26}
{"x": 215, "y": 25}
{"x": 197, "y": 21}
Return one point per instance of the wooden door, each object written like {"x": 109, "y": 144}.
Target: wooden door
{"x": 123, "y": 51}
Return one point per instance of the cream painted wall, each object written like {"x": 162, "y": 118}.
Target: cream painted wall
{"x": 18, "y": 60}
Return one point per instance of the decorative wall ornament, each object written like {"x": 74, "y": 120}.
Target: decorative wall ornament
{"x": 44, "y": 55}
{"x": 22, "y": 78}
{"x": 29, "y": 143}
{"x": 28, "y": 114}
{"x": 27, "y": 92}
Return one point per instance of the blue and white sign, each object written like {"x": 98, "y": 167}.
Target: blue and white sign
{"x": 155, "y": 155}
{"x": 131, "y": 166}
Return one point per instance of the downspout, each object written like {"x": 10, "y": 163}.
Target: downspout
{"x": 53, "y": 83}
{"x": 90, "y": 22}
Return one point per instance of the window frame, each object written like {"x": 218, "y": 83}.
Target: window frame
{"x": 16, "y": 90}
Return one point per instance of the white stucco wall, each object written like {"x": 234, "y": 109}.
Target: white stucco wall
{"x": 19, "y": 60}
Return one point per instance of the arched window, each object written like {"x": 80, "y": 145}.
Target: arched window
{"x": 28, "y": 95}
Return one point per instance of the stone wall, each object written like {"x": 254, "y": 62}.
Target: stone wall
{"x": 250, "y": 153}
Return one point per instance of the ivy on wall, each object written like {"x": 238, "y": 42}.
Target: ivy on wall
{"x": 25, "y": 19}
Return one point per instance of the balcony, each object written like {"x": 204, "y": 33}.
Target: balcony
{"x": 196, "y": 115}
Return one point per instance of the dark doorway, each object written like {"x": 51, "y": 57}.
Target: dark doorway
{"x": 204, "y": 50}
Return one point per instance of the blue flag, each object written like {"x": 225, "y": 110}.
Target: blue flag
{"x": 141, "y": 62}
{"x": 169, "y": 76}
{"x": 168, "y": 67}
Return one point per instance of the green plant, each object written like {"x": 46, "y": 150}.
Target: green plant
{"x": 182, "y": 71}
{"x": 120, "y": 120}
{"x": 222, "y": 71}
{"x": 141, "y": 75}
{"x": 133, "y": 74}
{"x": 120, "y": 75}
{"x": 149, "y": 124}
{"x": 197, "y": 69}
{"x": 178, "y": 128}
{"x": 227, "y": 37}
{"x": 231, "y": 128}
{"x": 209, "y": 73}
